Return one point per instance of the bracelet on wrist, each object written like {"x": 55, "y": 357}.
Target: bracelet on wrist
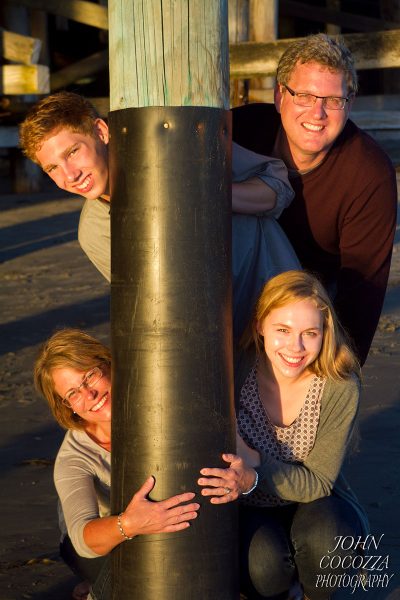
{"x": 121, "y": 529}
{"x": 253, "y": 487}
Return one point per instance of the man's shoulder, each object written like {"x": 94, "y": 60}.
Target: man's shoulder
{"x": 358, "y": 144}
{"x": 254, "y": 126}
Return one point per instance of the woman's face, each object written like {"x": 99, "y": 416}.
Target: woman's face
{"x": 91, "y": 401}
{"x": 293, "y": 336}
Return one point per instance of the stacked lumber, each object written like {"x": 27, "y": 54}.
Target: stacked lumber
{"x": 24, "y": 76}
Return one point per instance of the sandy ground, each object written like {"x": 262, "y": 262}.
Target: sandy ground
{"x": 46, "y": 282}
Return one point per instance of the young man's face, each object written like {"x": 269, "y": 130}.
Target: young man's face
{"x": 77, "y": 162}
{"x": 311, "y": 131}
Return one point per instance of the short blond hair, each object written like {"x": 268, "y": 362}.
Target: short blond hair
{"x": 336, "y": 360}
{"x": 323, "y": 49}
{"x": 63, "y": 110}
{"x": 70, "y": 348}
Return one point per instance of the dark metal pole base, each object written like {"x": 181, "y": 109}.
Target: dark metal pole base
{"x": 171, "y": 320}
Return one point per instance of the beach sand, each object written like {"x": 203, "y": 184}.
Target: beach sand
{"x": 46, "y": 283}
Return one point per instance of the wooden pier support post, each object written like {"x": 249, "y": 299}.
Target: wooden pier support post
{"x": 171, "y": 287}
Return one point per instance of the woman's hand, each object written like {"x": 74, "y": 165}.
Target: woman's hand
{"x": 225, "y": 485}
{"x": 143, "y": 516}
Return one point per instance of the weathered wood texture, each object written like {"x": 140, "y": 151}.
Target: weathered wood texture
{"x": 376, "y": 50}
{"x": 39, "y": 30}
{"x": 238, "y": 24}
{"x": 24, "y": 79}
{"x": 302, "y": 10}
{"x": 81, "y": 68}
{"x": 81, "y": 11}
{"x": 331, "y": 28}
{"x": 165, "y": 54}
{"x": 388, "y": 120}
{"x": 19, "y": 48}
{"x": 263, "y": 20}
{"x": 263, "y": 28}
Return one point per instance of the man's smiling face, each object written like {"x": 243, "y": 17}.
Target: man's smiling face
{"x": 311, "y": 131}
{"x": 77, "y": 162}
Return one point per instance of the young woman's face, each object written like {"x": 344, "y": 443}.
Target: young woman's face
{"x": 293, "y": 336}
{"x": 88, "y": 395}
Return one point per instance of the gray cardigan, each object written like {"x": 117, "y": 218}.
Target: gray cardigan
{"x": 321, "y": 473}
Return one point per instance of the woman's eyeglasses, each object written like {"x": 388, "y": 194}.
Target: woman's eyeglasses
{"x": 74, "y": 396}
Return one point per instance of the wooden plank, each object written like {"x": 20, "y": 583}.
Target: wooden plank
{"x": 259, "y": 95}
{"x": 238, "y": 25}
{"x": 382, "y": 120}
{"x": 263, "y": 28}
{"x": 377, "y": 102}
{"x": 301, "y": 10}
{"x": 331, "y": 28}
{"x": 378, "y": 50}
{"x": 82, "y": 68}
{"x": 168, "y": 44}
{"x": 13, "y": 106}
{"x": 19, "y": 48}
{"x": 81, "y": 11}
{"x": 24, "y": 79}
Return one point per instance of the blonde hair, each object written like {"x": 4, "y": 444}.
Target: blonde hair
{"x": 336, "y": 359}
{"x": 322, "y": 49}
{"x": 64, "y": 110}
{"x": 70, "y": 348}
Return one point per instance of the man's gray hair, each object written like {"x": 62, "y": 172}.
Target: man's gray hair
{"x": 322, "y": 49}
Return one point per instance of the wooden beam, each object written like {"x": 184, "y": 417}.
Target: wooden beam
{"x": 385, "y": 120}
{"x": 378, "y": 50}
{"x": 301, "y": 10}
{"x": 263, "y": 28}
{"x": 82, "y": 68}
{"x": 19, "y": 48}
{"x": 238, "y": 26}
{"x": 81, "y": 11}
{"x": 15, "y": 107}
{"x": 24, "y": 79}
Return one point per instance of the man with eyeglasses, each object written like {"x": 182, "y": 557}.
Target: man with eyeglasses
{"x": 342, "y": 220}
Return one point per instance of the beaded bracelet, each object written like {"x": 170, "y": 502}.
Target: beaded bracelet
{"x": 121, "y": 528}
{"x": 253, "y": 487}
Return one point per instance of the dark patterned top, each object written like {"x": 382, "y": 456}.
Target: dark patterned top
{"x": 288, "y": 444}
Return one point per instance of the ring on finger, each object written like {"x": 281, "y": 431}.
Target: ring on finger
{"x": 227, "y": 490}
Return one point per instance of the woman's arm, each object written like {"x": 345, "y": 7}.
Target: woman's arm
{"x": 310, "y": 480}
{"x": 141, "y": 516}
{"x": 86, "y": 504}
{"x": 250, "y": 456}
{"x": 316, "y": 476}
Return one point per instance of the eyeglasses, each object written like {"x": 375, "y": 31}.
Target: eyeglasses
{"x": 307, "y": 100}
{"x": 74, "y": 396}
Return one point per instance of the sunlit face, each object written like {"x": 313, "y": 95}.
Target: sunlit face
{"x": 311, "y": 131}
{"x": 293, "y": 336}
{"x": 77, "y": 162}
{"x": 95, "y": 403}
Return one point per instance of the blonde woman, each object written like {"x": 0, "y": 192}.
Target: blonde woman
{"x": 298, "y": 390}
